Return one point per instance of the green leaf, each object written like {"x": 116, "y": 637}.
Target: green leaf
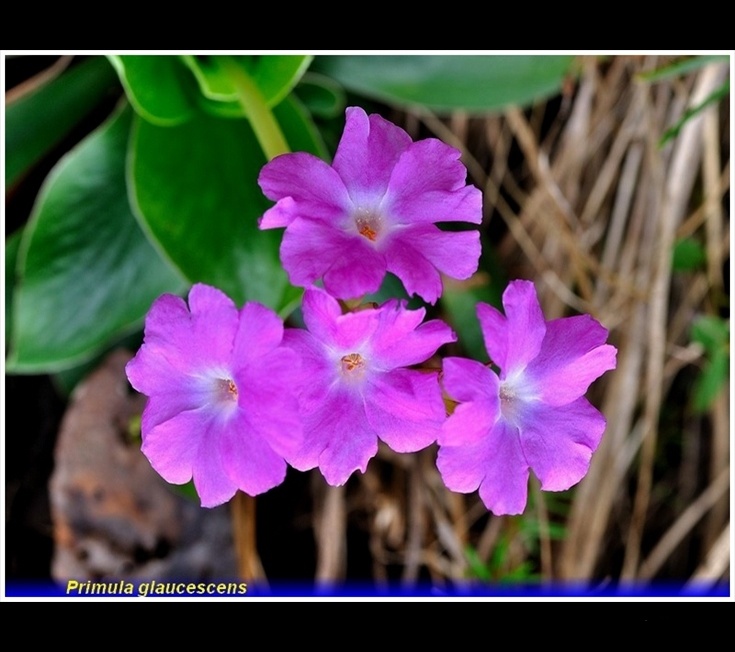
{"x": 715, "y": 96}
{"x": 302, "y": 134}
{"x": 392, "y": 288}
{"x": 447, "y": 82}
{"x": 66, "y": 380}
{"x": 711, "y": 381}
{"x": 321, "y": 95}
{"x": 476, "y": 568}
{"x": 11, "y": 262}
{"x": 688, "y": 255}
{"x": 160, "y": 89}
{"x": 88, "y": 274}
{"x": 712, "y": 332}
{"x": 38, "y": 121}
{"x": 195, "y": 186}
{"x": 532, "y": 530}
{"x": 681, "y": 67}
{"x": 274, "y": 75}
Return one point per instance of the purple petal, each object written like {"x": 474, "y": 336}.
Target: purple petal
{"x": 495, "y": 462}
{"x": 167, "y": 332}
{"x": 172, "y": 446}
{"x": 402, "y": 340}
{"x": 214, "y": 322}
{"x": 179, "y": 343}
{"x": 504, "y": 489}
{"x": 558, "y": 442}
{"x": 573, "y": 354}
{"x": 367, "y": 153}
{"x": 462, "y": 467}
{"x": 417, "y": 274}
{"x": 355, "y": 271}
{"x": 526, "y": 326}
{"x": 268, "y": 399}
{"x": 468, "y": 424}
{"x": 321, "y": 311}
{"x": 212, "y": 483}
{"x": 338, "y": 438}
{"x": 456, "y": 254}
{"x": 314, "y": 361}
{"x": 248, "y": 459}
{"x": 324, "y": 319}
{"x": 494, "y": 327}
{"x": 405, "y": 409}
{"x": 428, "y": 185}
{"x": 304, "y": 187}
{"x": 477, "y": 386}
{"x": 468, "y": 380}
{"x": 259, "y": 332}
{"x": 349, "y": 264}
{"x": 179, "y": 394}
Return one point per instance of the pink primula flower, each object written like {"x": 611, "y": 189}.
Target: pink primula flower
{"x": 374, "y": 210}
{"x": 221, "y": 394}
{"x": 359, "y": 389}
{"x": 534, "y": 416}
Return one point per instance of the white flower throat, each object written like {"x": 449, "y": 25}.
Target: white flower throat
{"x": 369, "y": 223}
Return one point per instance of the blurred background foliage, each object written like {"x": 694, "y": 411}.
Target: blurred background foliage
{"x": 606, "y": 181}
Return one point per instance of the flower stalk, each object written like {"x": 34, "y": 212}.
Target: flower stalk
{"x": 266, "y": 128}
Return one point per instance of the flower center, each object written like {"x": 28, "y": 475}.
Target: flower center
{"x": 508, "y": 402}
{"x": 225, "y": 389}
{"x": 506, "y": 394}
{"x": 368, "y": 223}
{"x": 353, "y": 365}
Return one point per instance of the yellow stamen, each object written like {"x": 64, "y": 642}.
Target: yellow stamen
{"x": 352, "y": 361}
{"x": 368, "y": 223}
{"x": 367, "y": 232}
{"x": 231, "y": 387}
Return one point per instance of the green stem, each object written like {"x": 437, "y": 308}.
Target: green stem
{"x": 266, "y": 129}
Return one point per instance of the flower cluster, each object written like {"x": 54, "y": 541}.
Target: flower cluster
{"x": 234, "y": 397}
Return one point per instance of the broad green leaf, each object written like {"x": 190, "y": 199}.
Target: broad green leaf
{"x": 274, "y": 76}
{"x": 88, "y": 274}
{"x": 688, "y": 255}
{"x": 195, "y": 187}
{"x": 36, "y": 122}
{"x": 159, "y": 87}
{"x": 321, "y": 95}
{"x": 447, "y": 82}
{"x": 66, "y": 380}
{"x": 296, "y": 122}
{"x": 11, "y": 261}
